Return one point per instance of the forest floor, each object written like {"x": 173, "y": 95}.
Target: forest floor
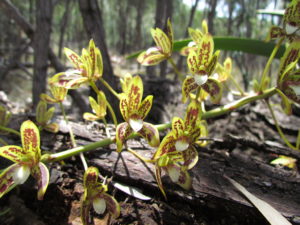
{"x": 243, "y": 144}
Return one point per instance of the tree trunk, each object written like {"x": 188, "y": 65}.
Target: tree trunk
{"x": 12, "y": 12}
{"x": 92, "y": 18}
{"x": 211, "y": 15}
{"x": 138, "y": 28}
{"x": 41, "y": 48}
{"x": 63, "y": 27}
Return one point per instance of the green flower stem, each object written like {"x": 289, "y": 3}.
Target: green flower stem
{"x": 283, "y": 137}
{"x": 10, "y": 130}
{"x": 47, "y": 158}
{"x": 112, "y": 113}
{"x": 237, "y": 85}
{"x": 206, "y": 115}
{"x": 73, "y": 141}
{"x": 237, "y": 104}
{"x": 110, "y": 88}
{"x": 140, "y": 157}
{"x": 267, "y": 67}
{"x": 171, "y": 61}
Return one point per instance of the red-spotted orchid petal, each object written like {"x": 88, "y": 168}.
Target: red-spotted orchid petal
{"x": 167, "y": 145}
{"x": 178, "y": 127}
{"x": 179, "y": 176}
{"x": 112, "y": 205}
{"x": 73, "y": 57}
{"x": 189, "y": 85}
{"x": 30, "y": 137}
{"x": 215, "y": 90}
{"x": 291, "y": 87}
{"x": 145, "y": 107}
{"x": 150, "y": 133}
{"x": 122, "y": 132}
{"x": 7, "y": 179}
{"x": 135, "y": 94}
{"x": 151, "y": 57}
{"x": 14, "y": 153}
{"x": 158, "y": 180}
{"x": 190, "y": 157}
{"x": 41, "y": 173}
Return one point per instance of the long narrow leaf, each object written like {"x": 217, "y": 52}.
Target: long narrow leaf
{"x": 271, "y": 214}
{"x": 278, "y": 12}
{"x": 246, "y": 45}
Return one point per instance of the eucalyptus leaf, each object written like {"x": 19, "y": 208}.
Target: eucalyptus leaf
{"x": 132, "y": 191}
{"x": 271, "y": 214}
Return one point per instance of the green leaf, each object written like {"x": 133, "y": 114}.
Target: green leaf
{"x": 274, "y": 12}
{"x": 246, "y": 45}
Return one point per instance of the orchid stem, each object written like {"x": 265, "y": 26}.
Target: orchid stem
{"x": 110, "y": 88}
{"x": 73, "y": 141}
{"x": 171, "y": 61}
{"x": 140, "y": 157}
{"x": 206, "y": 115}
{"x": 283, "y": 137}
{"x": 10, "y": 130}
{"x": 112, "y": 113}
{"x": 237, "y": 85}
{"x": 267, "y": 67}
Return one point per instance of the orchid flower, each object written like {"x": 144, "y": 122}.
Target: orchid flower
{"x": 196, "y": 35}
{"x": 288, "y": 81}
{"x": 163, "y": 49}
{"x": 176, "y": 153}
{"x": 202, "y": 63}
{"x": 44, "y": 116}
{"x": 291, "y": 24}
{"x": 59, "y": 94}
{"x": 88, "y": 67}
{"x": 99, "y": 108}
{"x": 27, "y": 160}
{"x": 134, "y": 111}
{"x": 95, "y": 195}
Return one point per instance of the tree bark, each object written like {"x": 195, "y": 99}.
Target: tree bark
{"x": 41, "y": 48}
{"x": 138, "y": 28}
{"x": 92, "y": 18}
{"x": 12, "y": 12}
{"x": 63, "y": 27}
{"x": 211, "y": 15}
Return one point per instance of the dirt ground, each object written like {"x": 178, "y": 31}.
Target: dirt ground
{"x": 243, "y": 144}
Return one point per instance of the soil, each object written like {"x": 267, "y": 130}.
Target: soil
{"x": 241, "y": 147}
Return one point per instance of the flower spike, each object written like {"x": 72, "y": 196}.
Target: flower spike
{"x": 26, "y": 161}
{"x": 95, "y": 195}
{"x": 164, "y": 47}
{"x": 134, "y": 111}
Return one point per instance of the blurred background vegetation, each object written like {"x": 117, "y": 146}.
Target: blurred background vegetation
{"x": 124, "y": 28}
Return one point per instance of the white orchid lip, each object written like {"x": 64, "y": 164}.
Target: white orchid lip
{"x": 191, "y": 44}
{"x": 181, "y": 145}
{"x": 296, "y": 89}
{"x": 200, "y": 79}
{"x": 173, "y": 174}
{"x": 136, "y": 124}
{"x": 21, "y": 174}
{"x": 99, "y": 205}
{"x": 152, "y": 49}
{"x": 290, "y": 29}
